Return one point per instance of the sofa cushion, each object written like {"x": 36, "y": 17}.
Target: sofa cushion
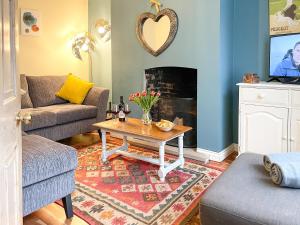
{"x": 43, "y": 159}
{"x": 39, "y": 119}
{"x": 245, "y": 195}
{"x": 25, "y": 98}
{"x": 66, "y": 113}
{"x": 74, "y": 89}
{"x": 42, "y": 90}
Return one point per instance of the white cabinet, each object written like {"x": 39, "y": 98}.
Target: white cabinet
{"x": 269, "y": 118}
{"x": 295, "y": 130}
{"x": 264, "y": 129}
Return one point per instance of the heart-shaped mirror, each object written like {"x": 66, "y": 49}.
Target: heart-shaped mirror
{"x": 157, "y": 32}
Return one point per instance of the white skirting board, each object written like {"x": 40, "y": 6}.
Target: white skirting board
{"x": 197, "y": 154}
{"x": 219, "y": 156}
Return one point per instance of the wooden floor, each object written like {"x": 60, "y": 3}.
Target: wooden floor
{"x": 54, "y": 214}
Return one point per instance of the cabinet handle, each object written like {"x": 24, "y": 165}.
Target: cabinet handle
{"x": 292, "y": 140}
{"x": 284, "y": 138}
{"x": 260, "y": 96}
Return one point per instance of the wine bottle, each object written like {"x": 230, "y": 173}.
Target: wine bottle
{"x": 121, "y": 104}
{"x": 109, "y": 112}
{"x": 121, "y": 110}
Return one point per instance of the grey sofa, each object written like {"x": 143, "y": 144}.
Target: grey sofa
{"x": 48, "y": 173}
{"x": 55, "y": 118}
{"x": 245, "y": 195}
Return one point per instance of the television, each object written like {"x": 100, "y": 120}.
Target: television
{"x": 285, "y": 56}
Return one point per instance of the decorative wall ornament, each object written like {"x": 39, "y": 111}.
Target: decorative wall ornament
{"x": 157, "y": 31}
{"x": 103, "y": 29}
{"x": 30, "y": 22}
{"x": 84, "y": 42}
{"x": 284, "y": 17}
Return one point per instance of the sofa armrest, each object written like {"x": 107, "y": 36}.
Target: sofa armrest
{"x": 98, "y": 97}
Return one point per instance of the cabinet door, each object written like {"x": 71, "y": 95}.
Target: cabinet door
{"x": 295, "y": 130}
{"x": 264, "y": 129}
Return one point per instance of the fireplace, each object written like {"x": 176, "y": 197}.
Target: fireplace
{"x": 178, "y": 103}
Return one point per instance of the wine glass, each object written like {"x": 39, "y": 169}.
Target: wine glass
{"x": 115, "y": 110}
{"x": 126, "y": 110}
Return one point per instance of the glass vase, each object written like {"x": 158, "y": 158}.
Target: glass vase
{"x": 146, "y": 118}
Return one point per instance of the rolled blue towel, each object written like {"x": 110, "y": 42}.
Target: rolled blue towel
{"x": 286, "y": 174}
{"x": 280, "y": 157}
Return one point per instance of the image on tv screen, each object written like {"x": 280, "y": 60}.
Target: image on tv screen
{"x": 285, "y": 56}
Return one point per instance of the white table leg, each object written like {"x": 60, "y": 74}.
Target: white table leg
{"x": 180, "y": 149}
{"x": 161, "y": 171}
{"x": 103, "y": 135}
{"x": 125, "y": 142}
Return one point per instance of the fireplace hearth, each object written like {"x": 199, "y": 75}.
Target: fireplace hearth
{"x": 178, "y": 103}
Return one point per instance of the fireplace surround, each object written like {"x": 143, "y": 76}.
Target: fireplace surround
{"x": 178, "y": 103}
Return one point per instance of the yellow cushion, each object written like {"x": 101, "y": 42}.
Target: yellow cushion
{"x": 74, "y": 89}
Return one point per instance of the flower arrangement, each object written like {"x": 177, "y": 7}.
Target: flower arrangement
{"x": 146, "y": 100}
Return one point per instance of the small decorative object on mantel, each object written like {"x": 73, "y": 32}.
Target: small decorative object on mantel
{"x": 164, "y": 23}
{"x": 146, "y": 100}
{"x": 251, "y": 78}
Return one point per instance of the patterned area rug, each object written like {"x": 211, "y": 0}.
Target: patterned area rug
{"x": 125, "y": 191}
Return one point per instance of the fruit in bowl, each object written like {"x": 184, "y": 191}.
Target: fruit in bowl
{"x": 165, "y": 125}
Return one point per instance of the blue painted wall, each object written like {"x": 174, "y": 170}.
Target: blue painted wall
{"x": 197, "y": 45}
{"x": 222, "y": 39}
{"x": 226, "y": 69}
{"x": 250, "y": 49}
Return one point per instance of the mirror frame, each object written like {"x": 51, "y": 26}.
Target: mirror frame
{"x": 171, "y": 14}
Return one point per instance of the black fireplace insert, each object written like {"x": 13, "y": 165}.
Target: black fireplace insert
{"x": 178, "y": 103}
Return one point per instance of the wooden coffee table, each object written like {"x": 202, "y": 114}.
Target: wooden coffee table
{"x": 134, "y": 128}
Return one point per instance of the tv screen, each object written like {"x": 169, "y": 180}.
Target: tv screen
{"x": 285, "y": 56}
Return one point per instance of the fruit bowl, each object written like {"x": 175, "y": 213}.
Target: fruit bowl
{"x": 165, "y": 125}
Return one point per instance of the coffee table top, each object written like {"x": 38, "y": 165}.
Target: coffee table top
{"x": 135, "y": 127}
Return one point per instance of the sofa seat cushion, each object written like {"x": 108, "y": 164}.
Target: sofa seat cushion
{"x": 66, "y": 113}
{"x": 245, "y": 194}
{"x": 39, "y": 119}
{"x": 43, "y": 159}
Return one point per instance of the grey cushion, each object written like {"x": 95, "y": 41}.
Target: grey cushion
{"x": 43, "y": 159}
{"x": 245, "y": 195}
{"x": 98, "y": 97}
{"x": 42, "y": 90}
{"x": 66, "y": 113}
{"x": 25, "y": 98}
{"x": 66, "y": 130}
{"x": 39, "y": 119}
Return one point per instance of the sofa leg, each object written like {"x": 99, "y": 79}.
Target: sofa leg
{"x": 67, "y": 202}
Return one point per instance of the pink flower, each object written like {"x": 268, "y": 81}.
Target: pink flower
{"x": 152, "y": 93}
{"x": 144, "y": 93}
{"x": 131, "y": 97}
{"x": 138, "y": 94}
{"x": 158, "y": 94}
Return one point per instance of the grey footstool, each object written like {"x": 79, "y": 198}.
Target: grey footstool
{"x": 245, "y": 195}
{"x": 48, "y": 173}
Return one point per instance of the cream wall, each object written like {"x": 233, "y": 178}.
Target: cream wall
{"x": 51, "y": 53}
